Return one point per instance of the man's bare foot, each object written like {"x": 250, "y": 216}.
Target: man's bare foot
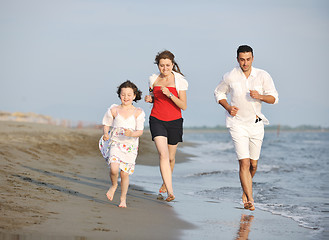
{"x": 123, "y": 203}
{"x": 110, "y": 192}
{"x": 252, "y": 206}
{"x": 249, "y": 205}
{"x": 244, "y": 198}
{"x": 163, "y": 189}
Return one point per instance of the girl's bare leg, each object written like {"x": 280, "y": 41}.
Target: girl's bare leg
{"x": 114, "y": 174}
{"x": 124, "y": 189}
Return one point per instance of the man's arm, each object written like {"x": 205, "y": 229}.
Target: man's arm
{"x": 265, "y": 98}
{"x": 232, "y": 110}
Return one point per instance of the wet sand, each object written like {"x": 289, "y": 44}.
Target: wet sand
{"x": 53, "y": 185}
{"x": 54, "y": 182}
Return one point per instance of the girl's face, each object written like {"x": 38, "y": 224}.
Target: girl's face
{"x": 127, "y": 96}
{"x": 165, "y": 66}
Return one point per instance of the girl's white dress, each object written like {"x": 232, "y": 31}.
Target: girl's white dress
{"x": 120, "y": 148}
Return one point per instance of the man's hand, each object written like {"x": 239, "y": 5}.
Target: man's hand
{"x": 233, "y": 110}
{"x": 265, "y": 98}
{"x": 255, "y": 95}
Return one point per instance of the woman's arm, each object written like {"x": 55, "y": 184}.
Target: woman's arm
{"x": 180, "y": 101}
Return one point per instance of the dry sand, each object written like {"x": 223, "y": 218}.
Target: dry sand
{"x": 53, "y": 185}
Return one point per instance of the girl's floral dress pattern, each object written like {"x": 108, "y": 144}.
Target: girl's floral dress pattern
{"x": 120, "y": 148}
{"x": 119, "y": 151}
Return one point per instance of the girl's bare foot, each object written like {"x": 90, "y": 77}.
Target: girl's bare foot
{"x": 163, "y": 189}
{"x": 110, "y": 192}
{"x": 123, "y": 203}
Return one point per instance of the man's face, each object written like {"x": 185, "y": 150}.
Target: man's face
{"x": 245, "y": 60}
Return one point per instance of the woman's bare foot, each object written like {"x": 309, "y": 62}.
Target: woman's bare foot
{"x": 110, "y": 192}
{"x": 123, "y": 203}
{"x": 170, "y": 197}
{"x": 163, "y": 188}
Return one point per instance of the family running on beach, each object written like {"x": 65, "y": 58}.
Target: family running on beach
{"x": 123, "y": 124}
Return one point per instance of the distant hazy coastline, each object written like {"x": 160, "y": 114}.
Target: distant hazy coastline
{"x": 39, "y": 118}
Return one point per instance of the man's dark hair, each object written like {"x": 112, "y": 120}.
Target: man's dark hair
{"x": 243, "y": 49}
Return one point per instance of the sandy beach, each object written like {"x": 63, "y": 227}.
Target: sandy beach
{"x": 54, "y": 182}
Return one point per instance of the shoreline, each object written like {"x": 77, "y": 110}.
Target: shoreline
{"x": 55, "y": 176}
{"x": 55, "y": 181}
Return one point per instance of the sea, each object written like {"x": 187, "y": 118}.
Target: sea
{"x": 292, "y": 178}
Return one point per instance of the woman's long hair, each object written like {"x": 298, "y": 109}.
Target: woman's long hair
{"x": 167, "y": 55}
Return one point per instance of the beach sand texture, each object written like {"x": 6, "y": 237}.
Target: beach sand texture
{"x": 53, "y": 185}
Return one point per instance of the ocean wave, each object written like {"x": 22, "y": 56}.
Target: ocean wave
{"x": 305, "y": 218}
{"x": 291, "y": 180}
{"x": 225, "y": 172}
{"x": 221, "y": 193}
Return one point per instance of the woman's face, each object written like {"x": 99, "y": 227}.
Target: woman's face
{"x": 165, "y": 66}
{"x": 127, "y": 96}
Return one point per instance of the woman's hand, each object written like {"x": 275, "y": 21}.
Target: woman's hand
{"x": 165, "y": 91}
{"x": 148, "y": 98}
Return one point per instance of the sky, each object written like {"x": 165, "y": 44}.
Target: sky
{"x": 66, "y": 58}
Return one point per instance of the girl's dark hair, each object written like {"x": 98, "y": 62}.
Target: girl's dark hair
{"x": 128, "y": 84}
{"x": 167, "y": 55}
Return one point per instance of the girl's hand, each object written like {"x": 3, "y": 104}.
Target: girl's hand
{"x": 128, "y": 133}
{"x": 148, "y": 98}
{"x": 106, "y": 137}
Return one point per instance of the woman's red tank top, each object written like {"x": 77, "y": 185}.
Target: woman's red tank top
{"x": 163, "y": 108}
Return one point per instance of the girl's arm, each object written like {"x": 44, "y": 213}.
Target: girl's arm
{"x": 136, "y": 133}
{"x": 106, "y": 130}
{"x": 140, "y": 119}
{"x": 107, "y": 122}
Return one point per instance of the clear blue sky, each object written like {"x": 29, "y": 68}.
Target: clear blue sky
{"x": 65, "y": 58}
